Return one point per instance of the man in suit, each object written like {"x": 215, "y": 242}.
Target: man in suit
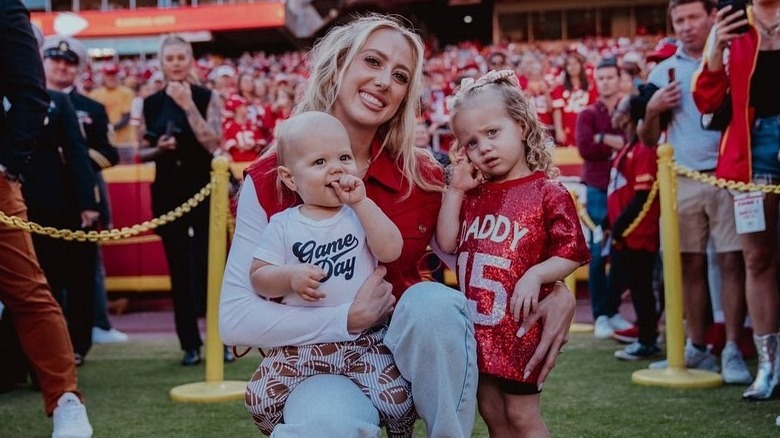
{"x": 61, "y": 191}
{"x": 23, "y": 287}
{"x": 63, "y": 58}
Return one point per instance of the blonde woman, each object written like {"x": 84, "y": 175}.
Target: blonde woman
{"x": 368, "y": 74}
{"x": 181, "y": 126}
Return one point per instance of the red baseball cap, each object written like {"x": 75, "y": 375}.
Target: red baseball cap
{"x": 665, "y": 48}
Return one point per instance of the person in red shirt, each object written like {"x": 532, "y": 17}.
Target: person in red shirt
{"x": 634, "y": 252}
{"x": 368, "y": 74}
{"x": 569, "y": 98}
{"x": 243, "y": 140}
{"x": 538, "y": 90}
{"x": 515, "y": 232}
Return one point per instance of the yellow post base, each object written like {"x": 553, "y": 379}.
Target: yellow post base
{"x": 208, "y": 392}
{"x": 675, "y": 377}
{"x": 579, "y": 327}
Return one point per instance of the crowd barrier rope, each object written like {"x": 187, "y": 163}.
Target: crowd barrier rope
{"x": 114, "y": 233}
{"x": 215, "y": 388}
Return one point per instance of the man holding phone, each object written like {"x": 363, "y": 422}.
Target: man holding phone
{"x": 705, "y": 212}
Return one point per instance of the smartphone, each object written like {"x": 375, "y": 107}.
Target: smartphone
{"x": 670, "y": 73}
{"x": 736, "y": 5}
{"x": 151, "y": 137}
{"x": 170, "y": 129}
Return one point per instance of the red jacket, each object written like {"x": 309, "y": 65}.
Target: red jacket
{"x": 709, "y": 90}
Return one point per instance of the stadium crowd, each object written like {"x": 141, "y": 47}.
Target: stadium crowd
{"x": 613, "y": 99}
{"x": 260, "y": 89}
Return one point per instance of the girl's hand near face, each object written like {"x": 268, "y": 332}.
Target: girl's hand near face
{"x": 350, "y": 189}
{"x": 465, "y": 175}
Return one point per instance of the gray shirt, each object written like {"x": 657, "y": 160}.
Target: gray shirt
{"x": 694, "y": 147}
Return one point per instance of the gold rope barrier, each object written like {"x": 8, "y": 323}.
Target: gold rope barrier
{"x": 582, "y": 212}
{"x": 214, "y": 389}
{"x": 643, "y": 212}
{"x": 724, "y": 183}
{"x": 112, "y": 234}
{"x": 675, "y": 375}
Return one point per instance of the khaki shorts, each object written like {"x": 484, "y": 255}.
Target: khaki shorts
{"x": 705, "y": 212}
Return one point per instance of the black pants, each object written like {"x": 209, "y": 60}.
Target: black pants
{"x": 69, "y": 267}
{"x": 186, "y": 248}
{"x": 633, "y": 269}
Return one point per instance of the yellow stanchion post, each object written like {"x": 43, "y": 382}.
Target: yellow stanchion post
{"x": 214, "y": 389}
{"x": 576, "y": 327}
{"x": 676, "y": 375}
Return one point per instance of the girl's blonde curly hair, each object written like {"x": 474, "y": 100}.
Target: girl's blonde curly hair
{"x": 538, "y": 144}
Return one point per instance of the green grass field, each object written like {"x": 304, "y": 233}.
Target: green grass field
{"x": 590, "y": 394}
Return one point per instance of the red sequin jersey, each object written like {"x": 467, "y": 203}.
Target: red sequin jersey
{"x": 506, "y": 228}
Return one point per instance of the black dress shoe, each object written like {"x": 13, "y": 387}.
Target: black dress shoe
{"x": 229, "y": 356}
{"x": 191, "y": 357}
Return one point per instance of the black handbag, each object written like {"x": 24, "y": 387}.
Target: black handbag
{"x": 720, "y": 119}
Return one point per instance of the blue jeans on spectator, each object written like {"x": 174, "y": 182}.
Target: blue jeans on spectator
{"x": 765, "y": 147}
{"x": 602, "y": 301}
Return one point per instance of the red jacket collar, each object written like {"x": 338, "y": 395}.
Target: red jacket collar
{"x": 383, "y": 168}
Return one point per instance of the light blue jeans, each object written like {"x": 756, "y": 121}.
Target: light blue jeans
{"x": 431, "y": 336}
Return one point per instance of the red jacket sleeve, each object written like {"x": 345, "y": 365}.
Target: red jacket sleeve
{"x": 709, "y": 87}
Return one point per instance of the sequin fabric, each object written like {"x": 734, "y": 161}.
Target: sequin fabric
{"x": 506, "y": 228}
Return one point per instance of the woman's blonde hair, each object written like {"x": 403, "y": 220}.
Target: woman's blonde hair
{"x": 338, "y": 49}
{"x": 538, "y": 144}
{"x": 176, "y": 40}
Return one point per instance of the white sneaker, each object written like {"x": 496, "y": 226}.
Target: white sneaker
{"x": 70, "y": 418}
{"x": 734, "y": 369}
{"x": 110, "y": 336}
{"x": 701, "y": 360}
{"x": 602, "y": 329}
{"x": 618, "y": 323}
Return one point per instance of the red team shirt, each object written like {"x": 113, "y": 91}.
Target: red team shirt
{"x": 244, "y": 141}
{"x": 571, "y": 103}
{"x": 506, "y": 228}
{"x": 634, "y": 169}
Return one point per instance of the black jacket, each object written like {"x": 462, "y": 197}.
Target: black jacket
{"x": 22, "y": 83}
{"x": 93, "y": 121}
{"x": 60, "y": 175}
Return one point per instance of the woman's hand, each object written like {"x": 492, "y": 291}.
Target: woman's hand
{"x": 374, "y": 302}
{"x": 555, "y": 312}
{"x": 726, "y": 23}
{"x": 166, "y": 143}
{"x": 181, "y": 93}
